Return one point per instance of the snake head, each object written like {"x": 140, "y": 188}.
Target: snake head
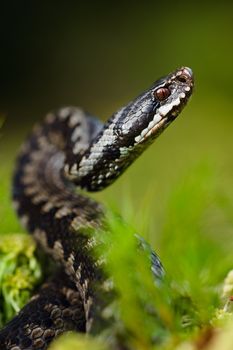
{"x": 150, "y": 113}
{"x": 130, "y": 130}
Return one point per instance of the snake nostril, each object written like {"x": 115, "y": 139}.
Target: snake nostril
{"x": 182, "y": 78}
{"x": 185, "y": 75}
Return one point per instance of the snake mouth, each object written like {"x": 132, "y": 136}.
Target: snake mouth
{"x": 164, "y": 116}
{"x": 181, "y": 83}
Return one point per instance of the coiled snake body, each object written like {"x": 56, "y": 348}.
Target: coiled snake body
{"x": 71, "y": 148}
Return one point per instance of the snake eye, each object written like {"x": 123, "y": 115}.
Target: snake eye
{"x": 162, "y": 93}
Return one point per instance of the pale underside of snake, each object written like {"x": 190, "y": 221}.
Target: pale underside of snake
{"x": 73, "y": 149}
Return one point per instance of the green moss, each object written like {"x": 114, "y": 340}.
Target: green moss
{"x": 19, "y": 273}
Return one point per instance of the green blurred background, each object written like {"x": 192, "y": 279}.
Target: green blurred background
{"x": 99, "y": 56}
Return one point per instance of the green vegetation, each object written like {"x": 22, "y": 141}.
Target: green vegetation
{"x": 190, "y": 307}
{"x": 19, "y": 273}
{"x": 180, "y": 312}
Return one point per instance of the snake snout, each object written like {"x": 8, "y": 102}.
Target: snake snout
{"x": 185, "y": 75}
{"x": 188, "y": 71}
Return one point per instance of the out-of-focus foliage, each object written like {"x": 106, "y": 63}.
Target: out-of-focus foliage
{"x": 78, "y": 341}
{"x": 193, "y": 240}
{"x": 142, "y": 305}
{"x": 186, "y": 310}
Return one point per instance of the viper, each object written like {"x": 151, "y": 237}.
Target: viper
{"x": 72, "y": 152}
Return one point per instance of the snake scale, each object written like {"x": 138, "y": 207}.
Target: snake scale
{"x": 70, "y": 150}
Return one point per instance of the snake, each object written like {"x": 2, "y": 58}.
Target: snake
{"x": 67, "y": 155}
